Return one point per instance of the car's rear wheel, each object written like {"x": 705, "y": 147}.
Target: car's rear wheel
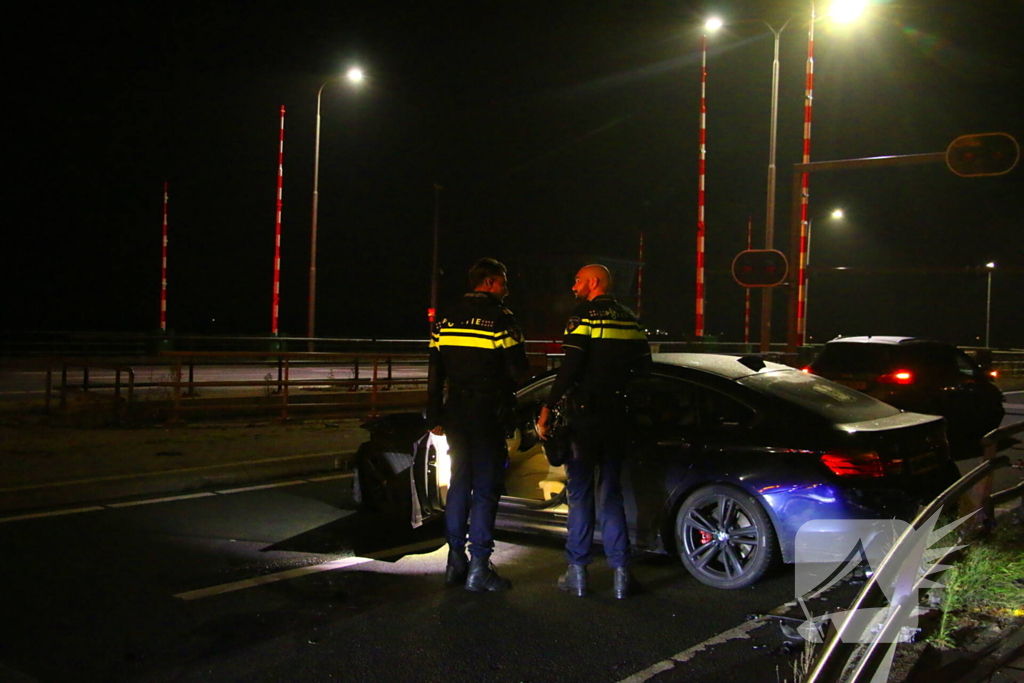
{"x": 724, "y": 537}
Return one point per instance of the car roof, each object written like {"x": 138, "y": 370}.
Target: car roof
{"x": 730, "y": 367}
{"x": 883, "y": 339}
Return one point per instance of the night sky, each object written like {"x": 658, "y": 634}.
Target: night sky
{"x": 559, "y": 130}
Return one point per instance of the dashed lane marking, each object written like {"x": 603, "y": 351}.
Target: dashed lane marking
{"x": 741, "y": 631}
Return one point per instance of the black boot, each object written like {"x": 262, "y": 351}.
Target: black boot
{"x": 458, "y": 567}
{"x": 574, "y": 580}
{"x": 483, "y": 577}
{"x": 625, "y": 585}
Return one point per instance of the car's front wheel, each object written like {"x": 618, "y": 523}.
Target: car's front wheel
{"x": 724, "y": 537}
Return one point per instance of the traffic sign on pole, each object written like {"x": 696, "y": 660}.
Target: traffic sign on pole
{"x": 982, "y": 154}
{"x": 760, "y": 268}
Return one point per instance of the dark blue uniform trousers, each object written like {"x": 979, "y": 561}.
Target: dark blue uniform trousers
{"x": 476, "y": 442}
{"x": 594, "y": 487}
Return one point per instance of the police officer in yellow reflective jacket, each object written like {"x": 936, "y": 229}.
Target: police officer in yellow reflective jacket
{"x": 477, "y": 350}
{"x": 604, "y": 348}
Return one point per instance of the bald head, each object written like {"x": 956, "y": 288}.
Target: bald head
{"x": 592, "y": 281}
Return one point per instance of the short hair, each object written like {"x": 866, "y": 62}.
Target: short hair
{"x": 485, "y": 268}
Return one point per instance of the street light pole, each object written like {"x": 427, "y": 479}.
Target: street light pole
{"x": 310, "y": 323}
{"x": 355, "y": 77}
{"x": 805, "y": 285}
{"x": 769, "y": 230}
{"x": 988, "y": 303}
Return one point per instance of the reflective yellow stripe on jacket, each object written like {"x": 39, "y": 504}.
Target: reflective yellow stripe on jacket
{"x": 473, "y": 338}
{"x": 609, "y": 329}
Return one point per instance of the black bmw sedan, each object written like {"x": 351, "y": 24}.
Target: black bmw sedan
{"x": 730, "y": 456}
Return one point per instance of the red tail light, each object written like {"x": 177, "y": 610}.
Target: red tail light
{"x": 993, "y": 374}
{"x": 897, "y": 377}
{"x": 806, "y": 370}
{"x": 856, "y": 464}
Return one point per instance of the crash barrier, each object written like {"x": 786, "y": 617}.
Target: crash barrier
{"x": 862, "y": 645}
{"x": 282, "y": 384}
{"x": 121, "y": 408}
{"x": 184, "y": 376}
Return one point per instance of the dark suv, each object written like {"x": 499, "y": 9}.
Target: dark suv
{"x": 918, "y": 375}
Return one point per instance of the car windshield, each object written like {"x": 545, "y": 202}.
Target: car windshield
{"x": 834, "y": 402}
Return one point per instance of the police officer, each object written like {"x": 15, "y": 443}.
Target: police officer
{"x": 604, "y": 347}
{"x": 477, "y": 350}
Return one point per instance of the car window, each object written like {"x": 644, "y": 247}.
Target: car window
{"x": 929, "y": 360}
{"x": 719, "y": 410}
{"x": 834, "y": 402}
{"x": 657, "y": 403}
{"x": 854, "y": 358}
{"x": 660, "y": 403}
{"x": 535, "y": 392}
{"x": 965, "y": 365}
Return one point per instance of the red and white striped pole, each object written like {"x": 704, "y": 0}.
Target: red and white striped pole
{"x": 746, "y": 306}
{"x": 277, "y": 229}
{"x": 699, "y": 331}
{"x": 640, "y": 280}
{"x": 801, "y": 304}
{"x": 163, "y": 271}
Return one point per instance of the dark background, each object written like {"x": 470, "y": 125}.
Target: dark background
{"x": 559, "y": 131}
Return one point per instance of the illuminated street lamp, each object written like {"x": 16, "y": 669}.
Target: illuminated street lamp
{"x": 988, "y": 301}
{"x": 355, "y": 77}
{"x": 804, "y": 285}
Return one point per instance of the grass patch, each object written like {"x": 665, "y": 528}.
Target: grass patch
{"x": 986, "y": 584}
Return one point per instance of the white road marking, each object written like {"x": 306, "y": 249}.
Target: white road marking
{"x": 331, "y": 477}
{"x": 165, "y": 499}
{"x": 303, "y": 571}
{"x": 271, "y": 578}
{"x": 52, "y": 513}
{"x": 183, "y": 470}
{"x": 150, "y": 501}
{"x": 740, "y": 631}
{"x": 404, "y": 549}
{"x": 261, "y": 487}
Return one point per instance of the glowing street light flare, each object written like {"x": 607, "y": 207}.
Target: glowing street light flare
{"x": 355, "y": 75}
{"x": 713, "y": 24}
{"x": 847, "y": 11}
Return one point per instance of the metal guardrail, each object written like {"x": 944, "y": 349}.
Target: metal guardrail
{"x": 844, "y": 658}
{"x": 284, "y": 383}
{"x": 183, "y": 382}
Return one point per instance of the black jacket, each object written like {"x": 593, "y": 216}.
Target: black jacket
{"x": 604, "y": 347}
{"x": 475, "y": 348}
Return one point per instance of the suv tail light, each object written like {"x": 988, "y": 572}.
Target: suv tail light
{"x": 860, "y": 464}
{"x": 806, "y": 370}
{"x": 897, "y": 377}
{"x": 994, "y": 374}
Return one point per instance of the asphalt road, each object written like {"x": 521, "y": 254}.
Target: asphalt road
{"x": 291, "y": 583}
